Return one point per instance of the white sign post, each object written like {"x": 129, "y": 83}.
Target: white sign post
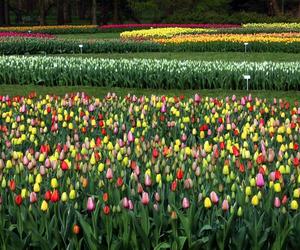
{"x": 80, "y": 46}
{"x": 247, "y": 78}
{"x": 246, "y": 44}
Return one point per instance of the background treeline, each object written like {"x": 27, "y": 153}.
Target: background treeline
{"x": 42, "y": 12}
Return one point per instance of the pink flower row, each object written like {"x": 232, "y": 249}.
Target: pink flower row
{"x": 162, "y": 25}
{"x": 30, "y": 35}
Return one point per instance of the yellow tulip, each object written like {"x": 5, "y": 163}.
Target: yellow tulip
{"x": 44, "y": 206}
{"x": 207, "y": 202}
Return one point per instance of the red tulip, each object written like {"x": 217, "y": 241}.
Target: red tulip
{"x": 105, "y": 197}
{"x": 179, "y": 174}
{"x": 173, "y": 186}
{"x": 155, "y": 153}
{"x": 12, "y": 185}
{"x": 119, "y": 181}
{"x": 106, "y": 209}
{"x": 64, "y": 165}
{"x": 296, "y": 162}
{"x": 55, "y": 196}
{"x": 235, "y": 151}
{"x": 18, "y": 200}
{"x": 48, "y": 195}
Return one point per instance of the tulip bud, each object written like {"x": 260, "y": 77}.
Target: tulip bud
{"x": 90, "y": 204}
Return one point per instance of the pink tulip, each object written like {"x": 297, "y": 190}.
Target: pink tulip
{"x": 163, "y": 108}
{"x": 184, "y": 137}
{"x": 260, "y": 180}
{"x": 145, "y": 198}
{"x": 214, "y": 197}
{"x": 130, "y": 137}
{"x": 250, "y": 98}
{"x": 25, "y": 160}
{"x": 243, "y": 102}
{"x": 272, "y": 176}
{"x": 33, "y": 197}
{"x": 277, "y": 202}
{"x": 148, "y": 181}
{"x": 90, "y": 204}
{"x": 137, "y": 170}
{"x": 185, "y": 203}
{"x": 197, "y": 98}
{"x": 125, "y": 202}
{"x": 116, "y": 130}
{"x": 233, "y": 98}
{"x": 42, "y": 170}
{"x": 47, "y": 163}
{"x": 225, "y": 205}
{"x": 157, "y": 197}
{"x": 109, "y": 174}
{"x": 130, "y": 205}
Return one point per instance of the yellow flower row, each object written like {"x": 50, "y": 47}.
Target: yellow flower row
{"x": 272, "y": 25}
{"x": 276, "y": 37}
{"x": 161, "y": 32}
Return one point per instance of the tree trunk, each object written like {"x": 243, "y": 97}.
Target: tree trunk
{"x": 6, "y": 12}
{"x": 82, "y": 9}
{"x": 2, "y": 13}
{"x": 274, "y": 8}
{"x": 29, "y": 6}
{"x": 42, "y": 12}
{"x": 94, "y": 12}
{"x": 67, "y": 11}
{"x": 60, "y": 12}
{"x": 298, "y": 12}
{"x": 116, "y": 11}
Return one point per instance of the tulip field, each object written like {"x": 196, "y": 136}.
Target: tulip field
{"x": 149, "y": 172}
{"x": 186, "y": 155}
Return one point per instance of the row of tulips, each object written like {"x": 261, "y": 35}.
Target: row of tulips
{"x": 19, "y": 46}
{"x": 59, "y": 29}
{"x": 272, "y": 25}
{"x": 162, "y": 33}
{"x": 232, "y": 38}
{"x": 149, "y": 172}
{"x": 147, "y": 73}
{"x": 136, "y": 26}
{"x": 31, "y": 35}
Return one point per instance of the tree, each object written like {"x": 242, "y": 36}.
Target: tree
{"x": 2, "y": 13}
{"x": 116, "y": 11}
{"x": 42, "y": 17}
{"x": 274, "y": 8}
{"x": 6, "y": 12}
{"x": 60, "y": 12}
{"x": 94, "y": 12}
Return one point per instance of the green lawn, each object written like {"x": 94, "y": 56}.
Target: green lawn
{"x": 13, "y": 90}
{"x": 90, "y": 36}
{"x": 208, "y": 56}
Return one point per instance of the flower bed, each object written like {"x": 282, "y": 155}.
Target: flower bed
{"x": 162, "y": 33}
{"x": 60, "y": 29}
{"x": 146, "y": 73}
{"x": 134, "y": 26}
{"x": 30, "y": 35}
{"x": 139, "y": 172}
